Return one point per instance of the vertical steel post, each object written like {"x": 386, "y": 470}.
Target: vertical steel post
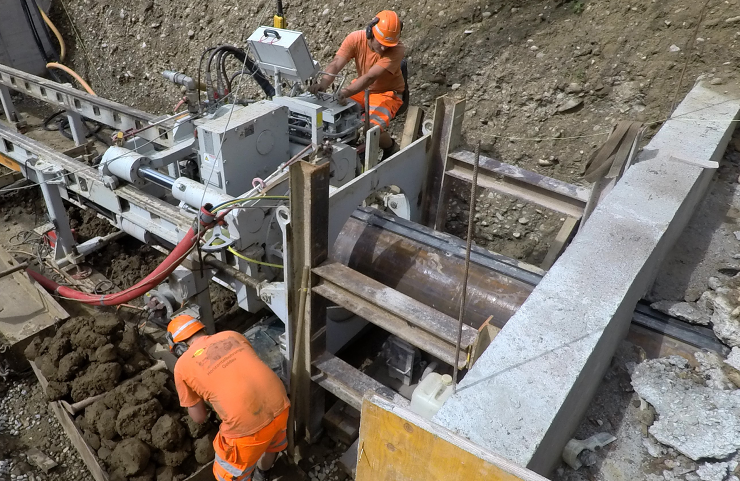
{"x": 10, "y": 113}
{"x": 76, "y": 127}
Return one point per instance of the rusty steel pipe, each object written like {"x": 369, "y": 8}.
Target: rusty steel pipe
{"x": 427, "y": 266}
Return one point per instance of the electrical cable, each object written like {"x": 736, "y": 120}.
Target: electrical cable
{"x": 74, "y": 74}
{"x": 57, "y": 34}
{"x": 255, "y": 261}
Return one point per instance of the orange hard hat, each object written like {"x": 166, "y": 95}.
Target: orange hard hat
{"x": 387, "y": 28}
{"x": 183, "y": 327}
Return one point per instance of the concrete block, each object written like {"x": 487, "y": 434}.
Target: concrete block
{"x": 529, "y": 390}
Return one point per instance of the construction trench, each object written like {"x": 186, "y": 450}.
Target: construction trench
{"x": 338, "y": 271}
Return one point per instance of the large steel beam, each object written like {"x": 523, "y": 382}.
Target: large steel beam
{"x": 529, "y": 390}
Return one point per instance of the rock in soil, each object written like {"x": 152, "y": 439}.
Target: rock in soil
{"x": 204, "y": 452}
{"x": 97, "y": 379}
{"x": 106, "y": 424}
{"x": 167, "y": 433}
{"x": 194, "y": 429}
{"x": 106, "y": 353}
{"x": 133, "y": 419}
{"x": 56, "y": 390}
{"x": 130, "y": 457}
{"x": 94, "y": 411}
{"x": 70, "y": 365}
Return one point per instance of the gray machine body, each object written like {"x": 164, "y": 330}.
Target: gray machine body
{"x": 236, "y": 148}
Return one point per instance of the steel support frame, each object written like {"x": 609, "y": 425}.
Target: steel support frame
{"x": 63, "y": 96}
{"x": 523, "y": 184}
{"x": 406, "y": 169}
{"x": 81, "y": 185}
{"x": 307, "y": 233}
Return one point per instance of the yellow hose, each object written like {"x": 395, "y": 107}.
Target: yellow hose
{"x": 53, "y": 28}
{"x": 73, "y": 74}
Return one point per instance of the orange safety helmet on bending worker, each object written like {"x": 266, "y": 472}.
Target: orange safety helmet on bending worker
{"x": 179, "y": 330}
{"x": 386, "y": 28}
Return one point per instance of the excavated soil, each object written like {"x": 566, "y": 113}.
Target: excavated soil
{"x": 136, "y": 427}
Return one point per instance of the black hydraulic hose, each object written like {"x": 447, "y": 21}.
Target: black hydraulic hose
{"x": 63, "y": 125}
{"x": 249, "y": 66}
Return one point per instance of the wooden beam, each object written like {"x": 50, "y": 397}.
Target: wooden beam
{"x": 448, "y": 117}
{"x": 397, "y": 444}
{"x": 486, "y": 334}
{"x": 567, "y": 230}
{"x": 414, "y": 118}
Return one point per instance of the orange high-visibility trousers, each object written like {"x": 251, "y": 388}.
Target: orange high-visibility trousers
{"x": 383, "y": 107}
{"x": 236, "y": 458}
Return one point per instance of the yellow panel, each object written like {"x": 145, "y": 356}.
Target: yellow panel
{"x": 9, "y": 163}
{"x": 398, "y": 445}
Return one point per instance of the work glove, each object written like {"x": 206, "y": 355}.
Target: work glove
{"x": 313, "y": 89}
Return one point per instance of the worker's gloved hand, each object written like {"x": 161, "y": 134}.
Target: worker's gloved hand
{"x": 313, "y": 89}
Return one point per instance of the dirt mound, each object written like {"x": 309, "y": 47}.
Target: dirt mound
{"x": 97, "y": 379}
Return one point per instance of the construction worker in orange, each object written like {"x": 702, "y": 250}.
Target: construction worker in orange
{"x": 378, "y": 52}
{"x": 223, "y": 370}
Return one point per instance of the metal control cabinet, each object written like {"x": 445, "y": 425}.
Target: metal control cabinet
{"x": 235, "y": 149}
{"x": 283, "y": 51}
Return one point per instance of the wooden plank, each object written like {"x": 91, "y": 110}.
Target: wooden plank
{"x": 204, "y": 473}
{"x": 561, "y": 240}
{"x": 10, "y": 178}
{"x": 74, "y": 435}
{"x": 414, "y": 117}
{"x": 529, "y": 186}
{"x": 486, "y": 333}
{"x": 350, "y": 384}
{"x": 398, "y": 304}
{"x": 396, "y": 444}
{"x": 9, "y": 163}
{"x": 444, "y": 140}
{"x": 395, "y": 325}
{"x": 451, "y": 132}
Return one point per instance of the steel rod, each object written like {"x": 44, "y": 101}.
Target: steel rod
{"x": 157, "y": 177}
{"x": 468, "y": 246}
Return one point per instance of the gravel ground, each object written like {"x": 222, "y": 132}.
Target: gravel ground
{"x": 25, "y": 422}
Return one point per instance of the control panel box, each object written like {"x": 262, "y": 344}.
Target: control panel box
{"x": 277, "y": 50}
{"x": 235, "y": 149}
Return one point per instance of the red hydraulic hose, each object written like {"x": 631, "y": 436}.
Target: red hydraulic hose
{"x": 163, "y": 270}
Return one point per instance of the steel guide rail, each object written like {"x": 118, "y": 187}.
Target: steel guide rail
{"x": 40, "y": 163}
{"x": 108, "y": 112}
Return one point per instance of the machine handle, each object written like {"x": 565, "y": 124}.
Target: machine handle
{"x": 269, "y": 31}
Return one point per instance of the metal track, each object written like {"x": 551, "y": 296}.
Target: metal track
{"x": 63, "y": 96}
